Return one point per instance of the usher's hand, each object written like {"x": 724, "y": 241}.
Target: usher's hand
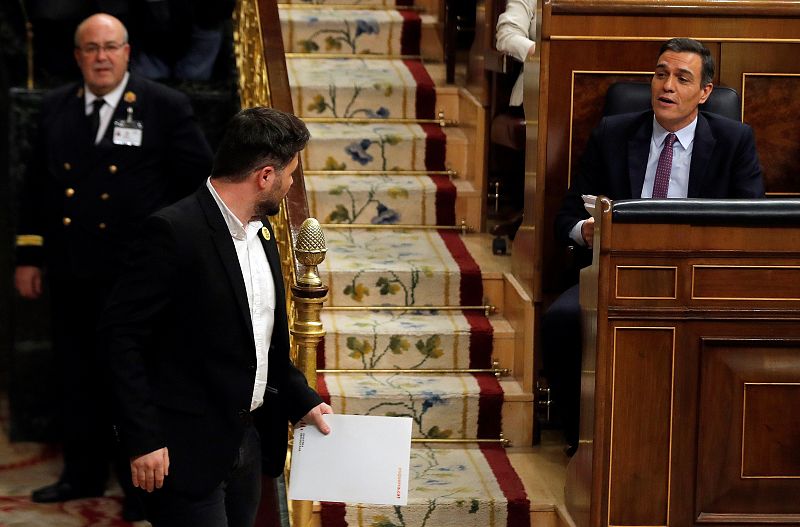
{"x": 148, "y": 471}
{"x": 28, "y": 281}
{"x": 314, "y": 417}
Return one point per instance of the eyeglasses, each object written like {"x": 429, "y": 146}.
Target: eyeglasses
{"x": 94, "y": 49}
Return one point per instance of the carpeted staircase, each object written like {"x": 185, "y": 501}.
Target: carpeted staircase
{"x": 391, "y": 180}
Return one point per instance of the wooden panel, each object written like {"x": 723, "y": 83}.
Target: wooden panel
{"x": 662, "y": 28}
{"x": 771, "y": 434}
{"x": 641, "y": 426}
{"x": 745, "y": 282}
{"x": 588, "y": 97}
{"x": 727, "y": 365}
{"x": 766, "y": 101}
{"x": 646, "y": 282}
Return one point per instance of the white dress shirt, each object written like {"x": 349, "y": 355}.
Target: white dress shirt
{"x": 516, "y": 33}
{"x": 260, "y": 286}
{"x": 679, "y": 175}
{"x": 111, "y": 100}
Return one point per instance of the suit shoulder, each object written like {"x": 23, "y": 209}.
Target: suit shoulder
{"x": 184, "y": 211}
{"x": 727, "y": 130}
{"x": 720, "y": 122}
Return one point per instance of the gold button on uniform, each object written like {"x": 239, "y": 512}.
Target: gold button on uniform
{"x": 102, "y": 226}
{"x": 112, "y": 169}
{"x": 104, "y": 196}
{"x": 69, "y": 192}
{"x": 67, "y": 166}
{"x": 66, "y": 221}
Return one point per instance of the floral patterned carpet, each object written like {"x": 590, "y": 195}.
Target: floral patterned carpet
{"x": 27, "y": 466}
{"x": 350, "y": 68}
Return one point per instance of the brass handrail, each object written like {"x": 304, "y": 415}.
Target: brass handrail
{"x": 263, "y": 81}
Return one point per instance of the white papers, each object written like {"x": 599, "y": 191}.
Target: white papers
{"x": 589, "y": 201}
{"x": 365, "y": 459}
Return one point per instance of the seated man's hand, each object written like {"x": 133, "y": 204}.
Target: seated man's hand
{"x": 587, "y": 231}
{"x": 148, "y": 471}
{"x": 314, "y": 417}
{"x": 28, "y": 281}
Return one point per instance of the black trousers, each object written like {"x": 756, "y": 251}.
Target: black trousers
{"x": 562, "y": 352}
{"x": 86, "y": 407}
{"x": 233, "y": 503}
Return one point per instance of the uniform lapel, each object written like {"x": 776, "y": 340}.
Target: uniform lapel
{"x": 224, "y": 246}
{"x": 638, "y": 152}
{"x": 701, "y": 154}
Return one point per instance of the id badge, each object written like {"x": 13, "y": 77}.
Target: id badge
{"x": 128, "y": 133}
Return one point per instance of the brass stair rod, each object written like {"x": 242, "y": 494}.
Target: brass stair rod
{"x": 357, "y": 7}
{"x": 369, "y": 56}
{"x": 464, "y": 228}
{"x": 357, "y": 120}
{"x": 498, "y": 372}
{"x": 450, "y": 173}
{"x": 487, "y": 309}
{"x": 503, "y": 441}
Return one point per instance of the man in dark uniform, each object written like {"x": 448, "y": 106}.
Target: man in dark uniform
{"x": 109, "y": 152}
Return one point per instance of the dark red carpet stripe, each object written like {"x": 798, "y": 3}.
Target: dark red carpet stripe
{"x": 445, "y": 200}
{"x": 426, "y": 91}
{"x": 322, "y": 388}
{"x": 518, "y": 503}
{"x": 490, "y": 406}
{"x": 435, "y": 147}
{"x": 411, "y": 34}
{"x": 321, "y": 354}
{"x": 471, "y": 288}
{"x": 332, "y": 514}
{"x": 480, "y": 340}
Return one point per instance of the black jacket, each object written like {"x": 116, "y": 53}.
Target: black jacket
{"x": 181, "y": 350}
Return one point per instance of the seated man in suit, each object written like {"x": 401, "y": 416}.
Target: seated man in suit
{"x": 672, "y": 151}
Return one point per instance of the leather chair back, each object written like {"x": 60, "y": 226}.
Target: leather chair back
{"x": 625, "y": 97}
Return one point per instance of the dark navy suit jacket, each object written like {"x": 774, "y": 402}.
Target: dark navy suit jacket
{"x": 724, "y": 163}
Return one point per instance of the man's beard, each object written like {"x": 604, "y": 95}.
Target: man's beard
{"x": 267, "y": 207}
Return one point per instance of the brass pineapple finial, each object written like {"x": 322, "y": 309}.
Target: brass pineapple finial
{"x": 310, "y": 249}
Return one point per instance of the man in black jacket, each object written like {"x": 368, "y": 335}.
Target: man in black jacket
{"x": 671, "y": 151}
{"x": 198, "y": 341}
{"x": 110, "y": 151}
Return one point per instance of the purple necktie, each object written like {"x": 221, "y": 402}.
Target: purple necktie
{"x": 664, "y": 168}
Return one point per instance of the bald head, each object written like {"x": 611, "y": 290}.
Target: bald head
{"x": 102, "y": 52}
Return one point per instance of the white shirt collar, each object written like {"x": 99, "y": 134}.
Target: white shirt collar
{"x": 685, "y": 135}
{"x": 111, "y": 98}
{"x": 237, "y": 229}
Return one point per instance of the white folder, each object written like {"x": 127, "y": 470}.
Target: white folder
{"x": 364, "y": 459}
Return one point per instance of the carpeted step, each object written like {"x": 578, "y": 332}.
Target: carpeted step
{"x": 454, "y": 406}
{"x": 448, "y": 487}
{"x": 405, "y": 339}
{"x": 350, "y": 31}
{"x": 396, "y": 267}
{"x": 361, "y": 88}
{"x": 379, "y": 146}
{"x": 384, "y": 200}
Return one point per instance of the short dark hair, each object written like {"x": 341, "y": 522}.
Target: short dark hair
{"x": 257, "y": 137}
{"x": 680, "y": 45}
